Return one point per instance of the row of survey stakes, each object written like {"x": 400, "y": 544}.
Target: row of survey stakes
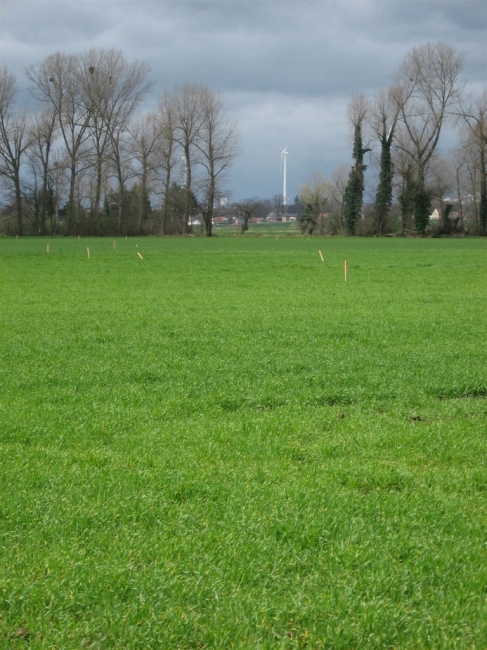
{"x": 48, "y": 249}
{"x": 345, "y": 267}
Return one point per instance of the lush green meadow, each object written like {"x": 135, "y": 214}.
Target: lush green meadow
{"x": 225, "y": 445}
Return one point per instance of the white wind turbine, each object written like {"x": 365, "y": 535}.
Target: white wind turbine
{"x": 284, "y": 154}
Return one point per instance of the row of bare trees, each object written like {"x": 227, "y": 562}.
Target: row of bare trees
{"x": 81, "y": 157}
{"x": 404, "y": 122}
{"x": 407, "y": 120}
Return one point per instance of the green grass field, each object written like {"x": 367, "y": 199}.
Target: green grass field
{"x": 260, "y": 230}
{"x": 225, "y": 445}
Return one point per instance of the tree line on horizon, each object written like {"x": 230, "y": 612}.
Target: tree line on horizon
{"x": 80, "y": 158}
{"x": 406, "y": 120}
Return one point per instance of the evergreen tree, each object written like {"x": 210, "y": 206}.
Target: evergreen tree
{"x": 354, "y": 191}
{"x": 352, "y": 200}
{"x": 383, "y": 197}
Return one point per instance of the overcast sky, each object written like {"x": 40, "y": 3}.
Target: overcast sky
{"x": 286, "y": 69}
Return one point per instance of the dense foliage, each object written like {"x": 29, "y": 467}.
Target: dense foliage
{"x": 383, "y": 197}
{"x": 354, "y": 191}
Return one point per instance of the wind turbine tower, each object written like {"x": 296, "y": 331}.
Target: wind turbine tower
{"x": 284, "y": 155}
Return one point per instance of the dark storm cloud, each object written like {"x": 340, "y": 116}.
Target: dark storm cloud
{"x": 287, "y": 69}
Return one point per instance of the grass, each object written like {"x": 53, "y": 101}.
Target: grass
{"x": 223, "y": 444}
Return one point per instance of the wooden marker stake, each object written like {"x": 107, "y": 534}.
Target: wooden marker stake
{"x": 88, "y": 252}
{"x": 321, "y": 256}
{"x": 47, "y": 248}
{"x": 140, "y": 255}
{"x": 345, "y": 269}
{"x": 114, "y": 244}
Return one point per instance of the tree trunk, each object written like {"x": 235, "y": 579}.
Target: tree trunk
{"x": 383, "y": 198}
{"x": 44, "y": 195}
{"x": 211, "y": 197}
{"x": 98, "y": 184}
{"x": 459, "y": 198}
{"x": 70, "y": 210}
{"x": 121, "y": 198}
{"x": 187, "y": 203}
{"x": 165, "y": 205}
{"x": 422, "y": 204}
{"x": 18, "y": 204}
{"x": 142, "y": 197}
{"x": 483, "y": 193}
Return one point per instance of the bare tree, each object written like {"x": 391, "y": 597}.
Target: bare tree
{"x": 166, "y": 150}
{"x": 246, "y": 210}
{"x": 430, "y": 88}
{"x": 475, "y": 116}
{"x": 472, "y": 179}
{"x": 217, "y": 143}
{"x": 57, "y": 189}
{"x": 315, "y": 196}
{"x": 441, "y": 179}
{"x": 404, "y": 181}
{"x": 190, "y": 116}
{"x": 95, "y": 79}
{"x": 339, "y": 178}
{"x": 43, "y": 137}
{"x": 145, "y": 136}
{"x": 458, "y": 160}
{"x": 56, "y": 82}
{"x": 358, "y": 109}
{"x": 93, "y": 95}
{"x": 113, "y": 89}
{"x": 384, "y": 116}
{"x": 14, "y": 140}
